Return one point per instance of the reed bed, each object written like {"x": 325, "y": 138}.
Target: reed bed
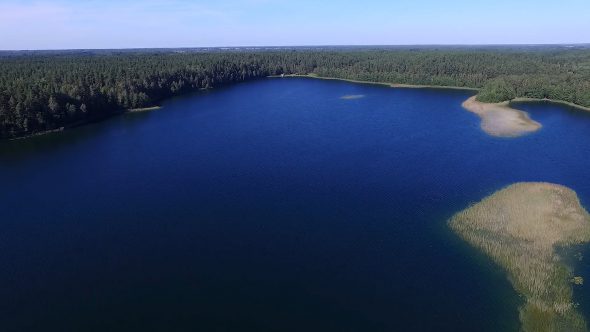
{"x": 520, "y": 227}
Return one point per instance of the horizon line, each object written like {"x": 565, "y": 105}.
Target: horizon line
{"x": 296, "y": 46}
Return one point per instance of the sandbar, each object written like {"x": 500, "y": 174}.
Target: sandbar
{"x": 144, "y": 109}
{"x": 501, "y": 120}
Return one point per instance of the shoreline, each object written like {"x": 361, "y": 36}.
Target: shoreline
{"x": 41, "y": 133}
{"x": 82, "y": 123}
{"x": 392, "y": 85}
{"x": 449, "y": 87}
{"x": 551, "y": 101}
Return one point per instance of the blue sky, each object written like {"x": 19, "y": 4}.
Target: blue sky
{"x": 63, "y": 24}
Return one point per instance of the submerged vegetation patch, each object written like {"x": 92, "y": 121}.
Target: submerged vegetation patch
{"x": 350, "y": 97}
{"x": 520, "y": 227}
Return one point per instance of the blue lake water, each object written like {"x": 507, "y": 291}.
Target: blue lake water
{"x": 272, "y": 205}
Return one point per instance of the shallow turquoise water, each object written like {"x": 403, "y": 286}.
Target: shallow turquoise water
{"x": 272, "y": 205}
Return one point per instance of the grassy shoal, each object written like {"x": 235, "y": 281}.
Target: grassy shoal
{"x": 520, "y": 228}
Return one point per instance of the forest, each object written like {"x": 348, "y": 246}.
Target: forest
{"x": 42, "y": 91}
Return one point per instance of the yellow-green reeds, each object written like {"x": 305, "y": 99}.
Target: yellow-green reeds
{"x": 520, "y": 227}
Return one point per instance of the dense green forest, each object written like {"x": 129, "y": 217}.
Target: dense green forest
{"x": 45, "y": 91}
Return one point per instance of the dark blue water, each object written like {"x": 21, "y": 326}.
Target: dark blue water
{"x": 270, "y": 206}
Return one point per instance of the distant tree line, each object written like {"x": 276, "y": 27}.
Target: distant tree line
{"x": 40, "y": 92}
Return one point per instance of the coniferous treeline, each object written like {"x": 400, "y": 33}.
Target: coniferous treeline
{"x": 40, "y": 92}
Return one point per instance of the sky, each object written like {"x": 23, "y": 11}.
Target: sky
{"x": 99, "y": 24}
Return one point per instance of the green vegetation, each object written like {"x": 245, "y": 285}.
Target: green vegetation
{"x": 42, "y": 91}
{"x": 520, "y": 227}
{"x": 578, "y": 280}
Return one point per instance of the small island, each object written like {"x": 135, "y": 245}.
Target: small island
{"x": 500, "y": 120}
{"x": 519, "y": 227}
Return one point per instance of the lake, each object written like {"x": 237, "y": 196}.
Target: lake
{"x": 273, "y": 205}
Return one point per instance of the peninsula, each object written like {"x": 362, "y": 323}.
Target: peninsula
{"x": 501, "y": 120}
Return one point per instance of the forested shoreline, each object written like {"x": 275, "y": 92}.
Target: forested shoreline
{"x": 46, "y": 91}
